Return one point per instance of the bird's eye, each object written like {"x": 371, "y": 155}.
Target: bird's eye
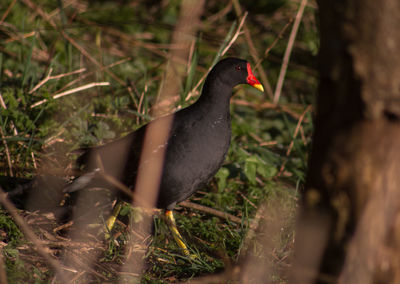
{"x": 238, "y": 68}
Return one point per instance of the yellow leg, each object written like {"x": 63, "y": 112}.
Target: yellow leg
{"x": 111, "y": 220}
{"x": 175, "y": 233}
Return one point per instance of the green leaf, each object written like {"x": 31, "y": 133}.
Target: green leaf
{"x": 250, "y": 169}
{"x": 267, "y": 171}
{"x": 125, "y": 210}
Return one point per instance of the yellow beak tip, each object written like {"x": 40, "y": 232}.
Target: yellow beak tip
{"x": 259, "y": 87}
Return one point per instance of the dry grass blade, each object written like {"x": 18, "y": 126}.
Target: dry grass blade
{"x": 288, "y": 51}
{"x": 49, "y": 77}
{"x": 30, "y": 235}
{"x": 33, "y": 160}
{"x": 72, "y": 91}
{"x": 13, "y": 128}
{"x": 10, "y": 169}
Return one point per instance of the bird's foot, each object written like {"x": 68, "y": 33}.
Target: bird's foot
{"x": 111, "y": 220}
{"x": 177, "y": 236}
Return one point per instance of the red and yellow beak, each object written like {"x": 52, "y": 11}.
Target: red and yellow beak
{"x": 252, "y": 80}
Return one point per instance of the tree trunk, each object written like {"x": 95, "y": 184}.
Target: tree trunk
{"x": 349, "y": 225}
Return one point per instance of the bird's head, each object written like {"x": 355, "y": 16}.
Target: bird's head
{"x": 235, "y": 71}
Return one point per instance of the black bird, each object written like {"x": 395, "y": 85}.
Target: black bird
{"x": 196, "y": 146}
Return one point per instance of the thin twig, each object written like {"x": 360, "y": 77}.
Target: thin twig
{"x": 301, "y": 119}
{"x": 30, "y": 235}
{"x": 288, "y": 51}
{"x": 296, "y": 131}
{"x": 261, "y": 142}
{"x": 272, "y": 45}
{"x": 18, "y": 37}
{"x": 237, "y": 33}
{"x": 270, "y": 143}
{"x": 72, "y": 91}
{"x": 212, "y": 211}
{"x": 248, "y": 200}
{"x": 63, "y": 226}
{"x": 7, "y": 11}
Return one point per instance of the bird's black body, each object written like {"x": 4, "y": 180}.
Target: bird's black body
{"x": 197, "y": 145}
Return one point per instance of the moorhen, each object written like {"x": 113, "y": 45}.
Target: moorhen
{"x": 196, "y": 148}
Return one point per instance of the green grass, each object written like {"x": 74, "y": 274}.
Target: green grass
{"x": 254, "y": 173}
